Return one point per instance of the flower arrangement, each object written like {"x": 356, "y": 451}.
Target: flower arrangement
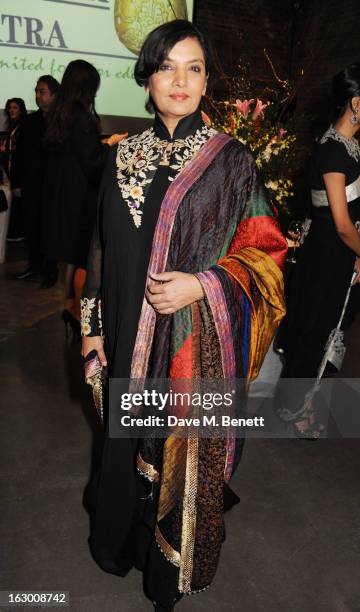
{"x": 263, "y": 124}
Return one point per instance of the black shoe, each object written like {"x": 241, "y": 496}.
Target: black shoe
{"x": 28, "y": 273}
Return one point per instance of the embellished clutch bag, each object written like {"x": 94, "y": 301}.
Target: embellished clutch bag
{"x": 95, "y": 376}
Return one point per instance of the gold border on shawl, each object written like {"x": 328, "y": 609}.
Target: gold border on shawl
{"x": 196, "y": 334}
{"x": 189, "y": 516}
{"x": 147, "y": 469}
{"x": 170, "y": 553}
{"x": 173, "y": 473}
{"x": 191, "y": 475}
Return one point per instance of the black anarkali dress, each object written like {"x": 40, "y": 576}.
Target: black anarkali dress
{"x": 209, "y": 182}
{"x": 120, "y": 538}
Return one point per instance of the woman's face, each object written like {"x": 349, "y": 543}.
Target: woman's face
{"x": 180, "y": 82}
{"x": 14, "y": 111}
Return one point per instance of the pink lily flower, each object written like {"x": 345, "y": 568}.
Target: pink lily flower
{"x": 243, "y": 107}
{"x": 206, "y": 119}
{"x": 259, "y": 109}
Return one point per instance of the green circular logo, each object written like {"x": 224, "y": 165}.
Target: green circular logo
{"x": 134, "y": 19}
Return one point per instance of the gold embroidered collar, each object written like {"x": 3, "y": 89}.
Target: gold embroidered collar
{"x": 139, "y": 156}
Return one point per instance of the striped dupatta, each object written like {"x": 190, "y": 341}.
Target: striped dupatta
{"x": 214, "y": 222}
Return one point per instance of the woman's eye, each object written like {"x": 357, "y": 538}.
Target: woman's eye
{"x": 165, "y": 67}
{"x": 195, "y": 68}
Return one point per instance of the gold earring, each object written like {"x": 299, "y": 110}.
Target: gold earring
{"x": 354, "y": 117}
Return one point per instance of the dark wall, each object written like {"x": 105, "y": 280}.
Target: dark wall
{"x": 318, "y": 37}
{"x": 330, "y": 41}
{"x": 241, "y": 29}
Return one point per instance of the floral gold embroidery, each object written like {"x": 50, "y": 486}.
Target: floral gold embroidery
{"x": 188, "y": 147}
{"x": 86, "y": 307}
{"x": 135, "y": 169}
{"x": 100, "y": 318}
{"x": 138, "y": 158}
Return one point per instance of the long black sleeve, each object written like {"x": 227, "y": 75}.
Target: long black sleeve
{"x": 90, "y": 303}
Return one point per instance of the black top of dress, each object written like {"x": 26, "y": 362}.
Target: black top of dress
{"x": 126, "y": 247}
{"x": 335, "y": 153}
{"x": 185, "y": 127}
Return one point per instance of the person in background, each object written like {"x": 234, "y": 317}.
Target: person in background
{"x": 32, "y": 157}
{"x": 327, "y": 263}
{"x": 76, "y": 157}
{"x": 5, "y": 208}
{"x": 15, "y": 112}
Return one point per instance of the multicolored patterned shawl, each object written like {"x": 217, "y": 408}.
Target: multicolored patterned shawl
{"x": 215, "y": 222}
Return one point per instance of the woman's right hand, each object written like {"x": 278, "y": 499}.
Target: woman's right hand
{"x": 91, "y": 343}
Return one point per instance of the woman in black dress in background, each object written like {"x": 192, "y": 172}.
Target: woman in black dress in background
{"x": 76, "y": 157}
{"x": 15, "y": 112}
{"x": 326, "y": 260}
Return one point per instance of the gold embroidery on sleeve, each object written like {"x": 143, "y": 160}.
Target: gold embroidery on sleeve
{"x": 86, "y": 307}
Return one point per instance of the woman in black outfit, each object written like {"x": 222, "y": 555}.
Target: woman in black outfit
{"x": 326, "y": 261}
{"x": 174, "y": 201}
{"x": 15, "y": 111}
{"x": 76, "y": 157}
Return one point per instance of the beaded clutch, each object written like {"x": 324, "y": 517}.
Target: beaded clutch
{"x": 95, "y": 375}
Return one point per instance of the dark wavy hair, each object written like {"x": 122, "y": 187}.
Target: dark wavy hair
{"x": 76, "y": 95}
{"x": 156, "y": 48}
{"x": 345, "y": 86}
{"x": 21, "y": 104}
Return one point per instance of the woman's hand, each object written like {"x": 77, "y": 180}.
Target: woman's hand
{"x": 357, "y": 270}
{"x": 94, "y": 343}
{"x": 167, "y": 292}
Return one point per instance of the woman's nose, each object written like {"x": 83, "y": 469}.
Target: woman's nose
{"x": 180, "y": 78}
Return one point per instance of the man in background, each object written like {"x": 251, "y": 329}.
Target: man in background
{"x": 33, "y": 166}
